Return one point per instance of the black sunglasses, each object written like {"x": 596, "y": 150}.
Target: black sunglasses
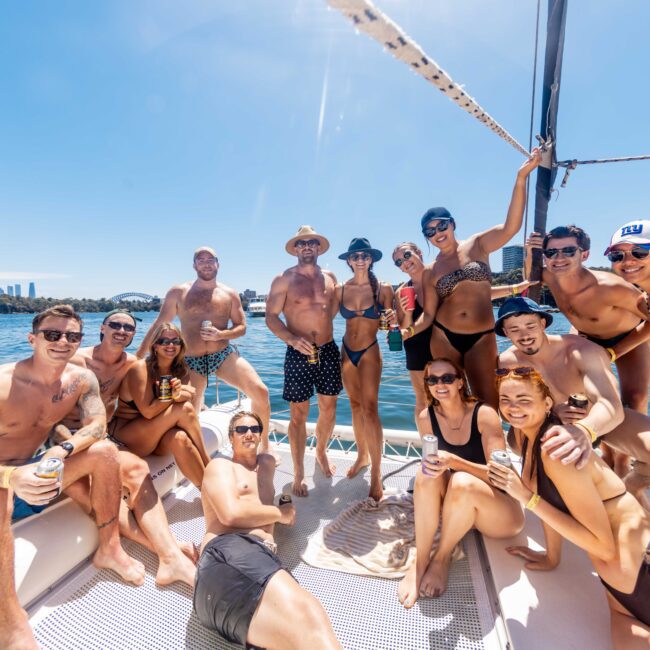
{"x": 121, "y": 326}
{"x": 567, "y": 251}
{"x": 166, "y": 341}
{"x": 407, "y": 256}
{"x": 447, "y": 378}
{"x": 312, "y": 243}
{"x": 55, "y": 335}
{"x": 521, "y": 371}
{"x": 242, "y": 428}
{"x": 637, "y": 253}
{"x": 432, "y": 230}
{"x": 359, "y": 256}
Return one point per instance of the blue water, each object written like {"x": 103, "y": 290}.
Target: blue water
{"x": 266, "y": 353}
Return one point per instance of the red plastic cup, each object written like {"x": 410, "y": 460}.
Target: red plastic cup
{"x": 409, "y": 292}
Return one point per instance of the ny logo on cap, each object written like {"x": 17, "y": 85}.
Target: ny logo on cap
{"x": 634, "y": 229}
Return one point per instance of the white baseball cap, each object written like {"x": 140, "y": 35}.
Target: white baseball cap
{"x": 634, "y": 232}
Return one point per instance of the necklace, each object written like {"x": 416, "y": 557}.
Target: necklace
{"x": 453, "y": 428}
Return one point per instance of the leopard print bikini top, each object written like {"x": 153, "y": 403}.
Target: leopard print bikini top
{"x": 474, "y": 271}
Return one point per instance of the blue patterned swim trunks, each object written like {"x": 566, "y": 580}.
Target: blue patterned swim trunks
{"x": 206, "y": 364}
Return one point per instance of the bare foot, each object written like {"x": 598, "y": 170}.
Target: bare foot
{"x": 299, "y": 487}
{"x": 178, "y": 568}
{"x": 324, "y": 464}
{"x": 409, "y": 588}
{"x": 434, "y": 580}
{"x": 359, "y": 464}
{"x": 116, "y": 559}
{"x": 190, "y": 550}
{"x": 376, "y": 488}
{"x": 19, "y": 635}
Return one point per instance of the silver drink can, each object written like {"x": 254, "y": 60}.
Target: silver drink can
{"x": 51, "y": 468}
{"x": 429, "y": 446}
{"x": 501, "y": 457}
{"x": 206, "y": 323}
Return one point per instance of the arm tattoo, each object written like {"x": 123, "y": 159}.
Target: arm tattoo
{"x": 90, "y": 407}
{"x": 67, "y": 390}
{"x": 95, "y": 431}
{"x": 107, "y": 523}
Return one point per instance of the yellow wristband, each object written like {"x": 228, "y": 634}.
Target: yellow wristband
{"x": 592, "y": 434}
{"x": 534, "y": 500}
{"x": 411, "y": 331}
{"x": 513, "y": 291}
{"x": 612, "y": 354}
{"x": 6, "y": 476}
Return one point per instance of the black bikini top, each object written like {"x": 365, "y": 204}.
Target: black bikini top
{"x": 472, "y": 450}
{"x": 373, "y": 312}
{"x": 473, "y": 271}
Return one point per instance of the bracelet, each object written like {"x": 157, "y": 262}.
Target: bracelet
{"x": 6, "y": 476}
{"x": 411, "y": 331}
{"x": 592, "y": 434}
{"x": 612, "y": 354}
{"x": 513, "y": 291}
{"x": 534, "y": 500}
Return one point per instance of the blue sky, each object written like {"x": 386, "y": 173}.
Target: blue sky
{"x": 133, "y": 132}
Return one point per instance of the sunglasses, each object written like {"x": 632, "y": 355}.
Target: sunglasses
{"x": 55, "y": 335}
{"x": 432, "y": 230}
{"x": 567, "y": 251}
{"x": 521, "y": 371}
{"x": 447, "y": 378}
{"x": 166, "y": 341}
{"x": 407, "y": 256}
{"x": 242, "y": 428}
{"x": 303, "y": 243}
{"x": 637, "y": 253}
{"x": 121, "y": 326}
{"x": 359, "y": 257}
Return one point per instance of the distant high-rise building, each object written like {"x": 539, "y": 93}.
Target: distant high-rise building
{"x": 10, "y": 290}
{"x": 32, "y": 290}
{"x": 513, "y": 257}
{"x": 18, "y": 290}
{"x": 250, "y": 293}
{"x": 2, "y": 291}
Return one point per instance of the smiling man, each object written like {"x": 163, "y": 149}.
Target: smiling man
{"x": 35, "y": 394}
{"x": 209, "y": 348}
{"x": 306, "y": 296}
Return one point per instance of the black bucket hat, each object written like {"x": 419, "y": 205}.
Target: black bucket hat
{"x": 361, "y": 245}
{"x": 516, "y": 307}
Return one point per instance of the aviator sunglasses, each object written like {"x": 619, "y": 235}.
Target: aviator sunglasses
{"x": 432, "y": 230}
{"x": 448, "y": 378}
{"x": 166, "y": 341}
{"x": 407, "y": 256}
{"x": 121, "y": 326}
{"x": 302, "y": 243}
{"x": 567, "y": 251}
{"x": 637, "y": 253}
{"x": 55, "y": 335}
{"x": 242, "y": 428}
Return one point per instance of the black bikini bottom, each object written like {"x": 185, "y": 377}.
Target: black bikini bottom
{"x": 610, "y": 342}
{"x": 462, "y": 342}
{"x": 355, "y": 355}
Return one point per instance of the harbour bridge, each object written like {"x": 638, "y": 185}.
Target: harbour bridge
{"x": 134, "y": 295}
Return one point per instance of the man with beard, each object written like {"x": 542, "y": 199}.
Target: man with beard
{"x": 306, "y": 295}
{"x": 142, "y": 516}
{"x": 571, "y": 364}
{"x": 208, "y": 348}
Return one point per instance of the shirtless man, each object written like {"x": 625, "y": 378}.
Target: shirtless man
{"x": 306, "y": 295}
{"x": 142, "y": 515}
{"x": 35, "y": 394}
{"x": 208, "y": 348}
{"x": 571, "y": 364}
{"x": 241, "y": 590}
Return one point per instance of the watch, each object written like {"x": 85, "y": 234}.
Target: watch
{"x": 68, "y": 446}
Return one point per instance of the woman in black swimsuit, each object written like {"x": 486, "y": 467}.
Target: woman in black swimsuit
{"x": 145, "y": 425}
{"x": 361, "y": 300}
{"x": 464, "y": 325}
{"x": 467, "y": 431}
{"x": 590, "y": 507}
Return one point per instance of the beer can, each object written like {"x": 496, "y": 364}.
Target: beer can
{"x": 313, "y": 356}
{"x": 384, "y": 325}
{"x": 284, "y": 499}
{"x": 429, "y": 448}
{"x": 51, "y": 468}
{"x": 501, "y": 457}
{"x": 206, "y": 323}
{"x": 165, "y": 388}
{"x": 578, "y": 400}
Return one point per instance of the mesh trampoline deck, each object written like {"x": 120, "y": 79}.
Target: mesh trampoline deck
{"x": 92, "y": 610}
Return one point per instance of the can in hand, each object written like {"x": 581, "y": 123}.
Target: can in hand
{"x": 501, "y": 457}
{"x": 284, "y": 499}
{"x": 395, "y": 339}
{"x": 206, "y": 323}
{"x": 165, "y": 388}
{"x": 313, "y": 357}
{"x": 384, "y": 325}
{"x": 429, "y": 448}
{"x": 578, "y": 400}
{"x": 51, "y": 468}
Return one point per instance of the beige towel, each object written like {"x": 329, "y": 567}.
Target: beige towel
{"x": 368, "y": 538}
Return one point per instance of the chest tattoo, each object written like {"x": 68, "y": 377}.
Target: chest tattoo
{"x": 67, "y": 390}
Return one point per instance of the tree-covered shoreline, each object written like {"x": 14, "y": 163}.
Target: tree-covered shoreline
{"x": 14, "y": 305}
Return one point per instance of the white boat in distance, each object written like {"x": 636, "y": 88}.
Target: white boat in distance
{"x": 257, "y": 307}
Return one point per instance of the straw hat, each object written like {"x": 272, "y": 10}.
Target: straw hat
{"x": 307, "y": 232}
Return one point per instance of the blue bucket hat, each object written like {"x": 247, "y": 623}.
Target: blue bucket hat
{"x": 516, "y": 307}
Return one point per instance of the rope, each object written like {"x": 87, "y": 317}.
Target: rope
{"x": 574, "y": 163}
{"x": 367, "y": 18}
